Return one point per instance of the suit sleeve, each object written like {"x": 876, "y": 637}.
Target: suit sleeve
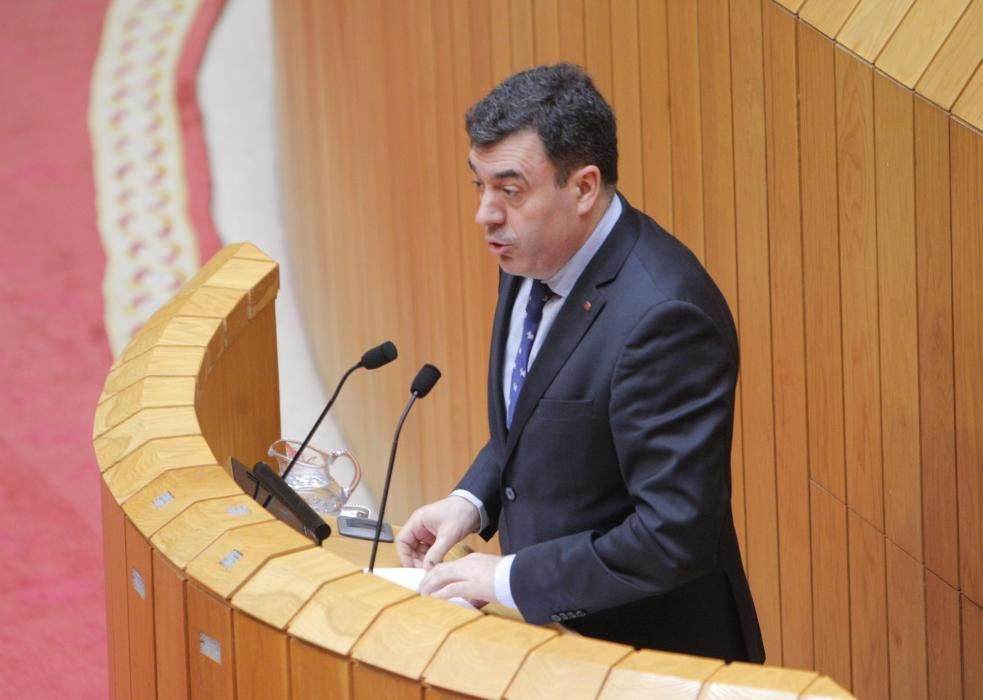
{"x": 483, "y": 479}
{"x": 671, "y": 418}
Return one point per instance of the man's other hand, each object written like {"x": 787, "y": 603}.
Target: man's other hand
{"x": 471, "y": 577}
{"x": 433, "y": 529}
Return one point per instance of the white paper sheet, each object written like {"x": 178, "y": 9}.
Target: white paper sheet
{"x": 410, "y": 578}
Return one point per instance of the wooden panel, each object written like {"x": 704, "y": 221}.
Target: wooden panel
{"x": 372, "y": 684}
{"x": 472, "y": 80}
{"x": 597, "y": 45}
{"x": 370, "y": 252}
{"x": 149, "y": 392}
{"x": 906, "y": 625}
{"x": 230, "y": 560}
{"x": 410, "y": 97}
{"x": 571, "y": 31}
{"x": 169, "y": 494}
{"x": 868, "y": 610}
{"x": 440, "y": 116}
{"x": 280, "y": 588}
{"x": 211, "y": 657}
{"x": 656, "y": 130}
{"x": 258, "y": 278}
{"x": 824, "y": 688}
{"x": 441, "y": 694}
{"x": 261, "y": 660}
{"x": 871, "y": 25}
{"x": 141, "y": 467}
{"x": 944, "y": 646}
{"x": 501, "y": 41}
{"x": 972, "y": 618}
{"x": 918, "y": 38}
{"x": 791, "y": 5}
{"x": 830, "y": 586}
{"x": 179, "y": 330}
{"x": 966, "y": 157}
{"x": 568, "y": 666}
{"x": 170, "y": 630}
{"x": 684, "y": 105}
{"x": 140, "y": 614}
{"x": 828, "y": 16}
{"x": 647, "y": 674}
{"x": 117, "y": 627}
{"x": 523, "y": 37}
{"x": 788, "y": 342}
{"x": 898, "y": 314}
{"x": 820, "y": 247}
{"x": 858, "y": 264}
{"x": 749, "y": 680}
{"x": 149, "y": 424}
{"x": 754, "y": 310}
{"x": 183, "y": 538}
{"x": 936, "y": 390}
{"x": 626, "y": 98}
{"x": 719, "y": 235}
{"x": 545, "y": 26}
{"x": 491, "y": 648}
{"x": 954, "y": 64}
{"x": 316, "y": 674}
{"x": 160, "y": 361}
{"x": 969, "y": 106}
{"x": 342, "y": 610}
{"x": 420, "y": 624}
{"x": 246, "y": 376}
{"x": 324, "y": 127}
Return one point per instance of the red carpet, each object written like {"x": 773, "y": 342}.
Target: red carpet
{"x": 54, "y": 354}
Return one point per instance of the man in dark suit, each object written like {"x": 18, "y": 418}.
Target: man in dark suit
{"x": 613, "y": 366}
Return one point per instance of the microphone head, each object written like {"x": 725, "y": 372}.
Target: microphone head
{"x": 379, "y": 355}
{"x": 424, "y": 380}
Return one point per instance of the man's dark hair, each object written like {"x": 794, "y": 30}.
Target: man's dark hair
{"x": 575, "y": 124}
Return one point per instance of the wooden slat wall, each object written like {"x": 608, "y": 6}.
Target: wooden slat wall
{"x": 804, "y": 150}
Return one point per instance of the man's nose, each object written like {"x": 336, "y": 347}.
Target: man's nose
{"x": 490, "y": 212}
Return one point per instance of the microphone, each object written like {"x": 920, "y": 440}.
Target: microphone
{"x": 422, "y": 384}
{"x": 372, "y": 359}
{"x": 298, "y": 507}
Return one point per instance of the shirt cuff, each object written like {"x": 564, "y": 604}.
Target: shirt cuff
{"x": 476, "y": 502}
{"x": 503, "y": 585}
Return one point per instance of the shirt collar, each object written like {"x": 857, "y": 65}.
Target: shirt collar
{"x": 562, "y": 282}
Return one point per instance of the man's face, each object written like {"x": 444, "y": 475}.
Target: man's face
{"x": 531, "y": 225}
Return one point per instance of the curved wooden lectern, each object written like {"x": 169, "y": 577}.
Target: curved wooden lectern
{"x": 209, "y": 596}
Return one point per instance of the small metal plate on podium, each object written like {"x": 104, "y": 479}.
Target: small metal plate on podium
{"x": 363, "y": 528}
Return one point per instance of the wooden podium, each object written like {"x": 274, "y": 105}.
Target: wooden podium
{"x": 210, "y": 597}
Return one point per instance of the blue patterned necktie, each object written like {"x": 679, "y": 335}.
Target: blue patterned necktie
{"x": 538, "y": 296}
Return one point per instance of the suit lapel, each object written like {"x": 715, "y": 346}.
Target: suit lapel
{"x": 575, "y": 318}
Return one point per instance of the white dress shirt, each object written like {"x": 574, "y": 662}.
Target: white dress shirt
{"x": 561, "y": 284}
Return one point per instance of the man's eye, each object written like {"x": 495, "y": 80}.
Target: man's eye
{"x": 477, "y": 185}
{"x": 510, "y": 191}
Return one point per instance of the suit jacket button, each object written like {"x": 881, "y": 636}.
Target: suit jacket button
{"x": 509, "y": 493}
{"x": 555, "y": 618}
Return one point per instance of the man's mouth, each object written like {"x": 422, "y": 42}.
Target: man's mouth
{"x": 496, "y": 247}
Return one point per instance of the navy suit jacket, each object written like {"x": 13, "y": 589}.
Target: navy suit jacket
{"x": 613, "y": 485}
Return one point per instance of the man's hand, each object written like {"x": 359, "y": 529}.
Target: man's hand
{"x": 433, "y": 529}
{"x": 471, "y": 577}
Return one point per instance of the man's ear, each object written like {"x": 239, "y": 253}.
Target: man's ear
{"x": 587, "y": 182}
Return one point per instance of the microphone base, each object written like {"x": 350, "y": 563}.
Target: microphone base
{"x": 363, "y": 528}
